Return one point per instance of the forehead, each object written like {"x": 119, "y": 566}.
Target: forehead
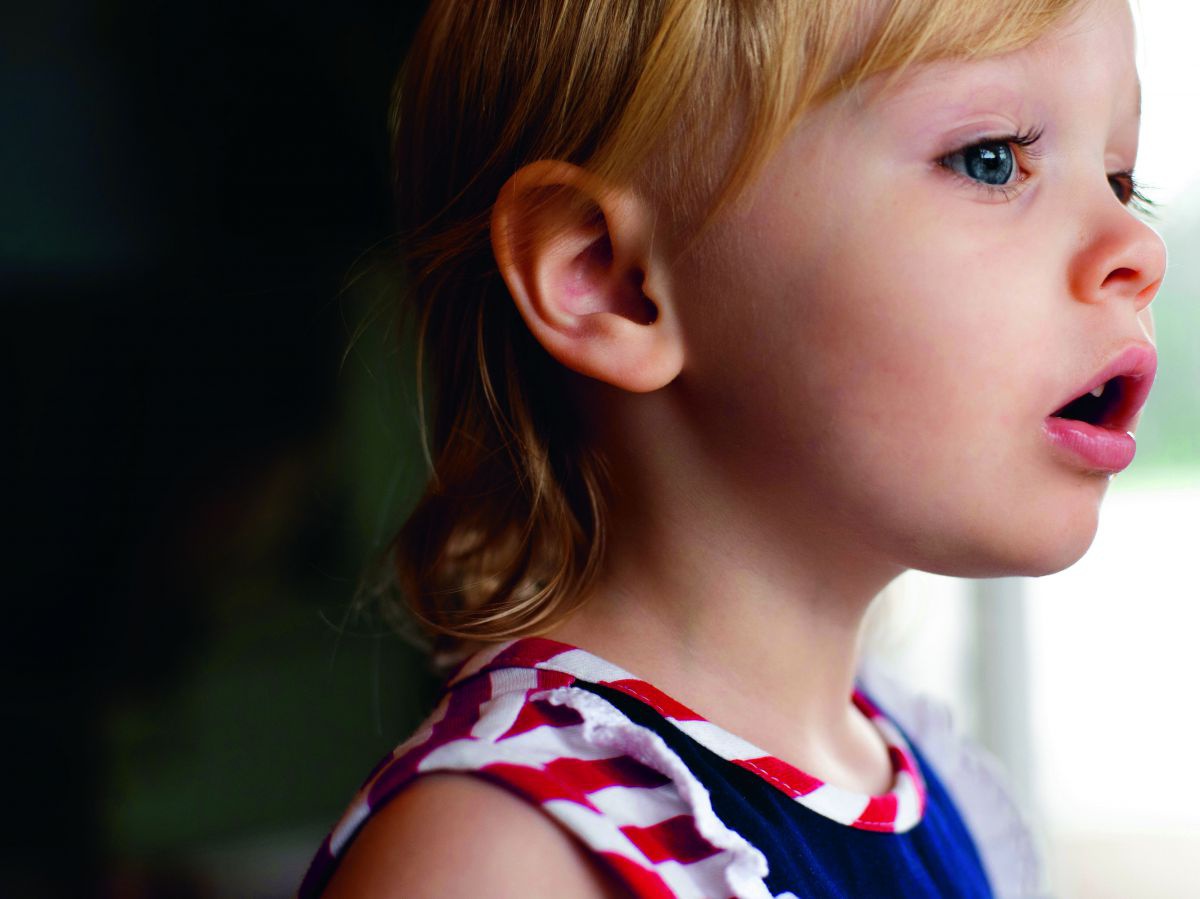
{"x": 1088, "y": 56}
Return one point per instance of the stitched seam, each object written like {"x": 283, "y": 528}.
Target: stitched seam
{"x": 775, "y": 779}
{"x": 644, "y": 698}
{"x": 785, "y": 786}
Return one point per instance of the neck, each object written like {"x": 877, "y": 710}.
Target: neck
{"x": 750, "y": 617}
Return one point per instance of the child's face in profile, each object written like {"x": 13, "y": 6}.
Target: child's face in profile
{"x": 923, "y": 275}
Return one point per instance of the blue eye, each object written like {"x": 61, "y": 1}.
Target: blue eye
{"x": 993, "y": 163}
{"x": 989, "y": 163}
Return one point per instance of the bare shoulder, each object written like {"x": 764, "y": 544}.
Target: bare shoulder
{"x": 457, "y": 835}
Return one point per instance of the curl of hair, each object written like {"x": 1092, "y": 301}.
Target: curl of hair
{"x": 510, "y": 531}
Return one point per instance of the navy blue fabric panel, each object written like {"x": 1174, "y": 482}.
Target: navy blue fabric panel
{"x": 813, "y": 856}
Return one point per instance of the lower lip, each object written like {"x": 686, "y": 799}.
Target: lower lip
{"x": 1098, "y": 449}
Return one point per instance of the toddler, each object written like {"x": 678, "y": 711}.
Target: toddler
{"x": 735, "y": 310}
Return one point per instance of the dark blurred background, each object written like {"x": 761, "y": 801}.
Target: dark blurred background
{"x": 212, "y": 437}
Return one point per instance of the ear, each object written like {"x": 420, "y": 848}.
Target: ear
{"x": 579, "y": 259}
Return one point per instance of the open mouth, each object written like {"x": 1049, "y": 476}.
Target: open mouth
{"x": 1095, "y": 427}
{"x": 1101, "y": 406}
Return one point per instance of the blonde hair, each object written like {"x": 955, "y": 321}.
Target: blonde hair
{"x": 510, "y": 531}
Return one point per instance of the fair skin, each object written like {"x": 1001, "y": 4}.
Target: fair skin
{"x": 811, "y": 411}
{"x": 414, "y": 849}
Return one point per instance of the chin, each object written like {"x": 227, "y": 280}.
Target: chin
{"x": 1053, "y": 558}
{"x": 1022, "y": 548}
{"x": 1063, "y": 531}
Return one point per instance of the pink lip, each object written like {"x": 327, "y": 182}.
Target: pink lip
{"x": 1108, "y": 446}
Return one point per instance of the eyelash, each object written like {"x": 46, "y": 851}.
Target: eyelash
{"x": 1022, "y": 147}
{"x": 1132, "y": 192}
{"x": 1125, "y": 184}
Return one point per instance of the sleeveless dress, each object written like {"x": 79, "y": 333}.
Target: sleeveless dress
{"x": 674, "y": 805}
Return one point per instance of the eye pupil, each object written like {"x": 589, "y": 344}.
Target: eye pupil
{"x": 989, "y": 163}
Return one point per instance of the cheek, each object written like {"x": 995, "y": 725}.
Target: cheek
{"x": 894, "y": 377}
{"x": 916, "y": 338}
{"x": 892, "y": 321}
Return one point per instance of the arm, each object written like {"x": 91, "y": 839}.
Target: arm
{"x": 454, "y": 835}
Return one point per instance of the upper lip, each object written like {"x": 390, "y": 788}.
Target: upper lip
{"x": 1135, "y": 366}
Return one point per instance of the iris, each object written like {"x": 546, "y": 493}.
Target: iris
{"x": 988, "y": 163}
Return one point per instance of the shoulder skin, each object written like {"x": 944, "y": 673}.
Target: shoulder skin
{"x": 450, "y": 835}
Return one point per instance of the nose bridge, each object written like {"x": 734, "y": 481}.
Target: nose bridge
{"x": 1119, "y": 256}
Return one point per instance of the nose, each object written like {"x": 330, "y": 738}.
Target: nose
{"x": 1120, "y": 257}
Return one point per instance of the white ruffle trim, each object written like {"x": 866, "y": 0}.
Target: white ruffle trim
{"x": 976, "y": 781}
{"x": 605, "y": 727}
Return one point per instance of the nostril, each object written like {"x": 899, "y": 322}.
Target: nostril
{"x": 1119, "y": 275}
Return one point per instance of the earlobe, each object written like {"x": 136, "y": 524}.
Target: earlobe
{"x": 578, "y": 259}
